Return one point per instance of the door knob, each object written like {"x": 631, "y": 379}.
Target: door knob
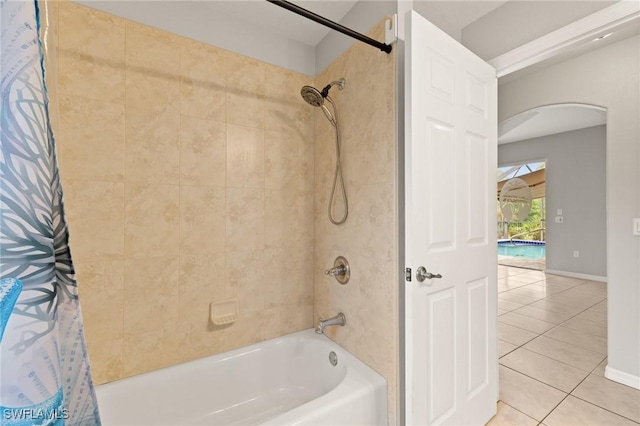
{"x": 422, "y": 274}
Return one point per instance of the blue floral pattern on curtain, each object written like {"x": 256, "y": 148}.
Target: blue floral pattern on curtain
{"x": 45, "y": 378}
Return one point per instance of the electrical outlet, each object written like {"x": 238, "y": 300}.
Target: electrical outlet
{"x": 636, "y": 226}
{"x": 559, "y": 212}
{"x": 559, "y": 219}
{"x": 576, "y": 253}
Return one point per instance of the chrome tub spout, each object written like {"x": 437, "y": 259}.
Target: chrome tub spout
{"x": 339, "y": 319}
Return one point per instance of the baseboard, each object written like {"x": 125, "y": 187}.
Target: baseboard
{"x": 576, "y": 275}
{"x": 620, "y": 377}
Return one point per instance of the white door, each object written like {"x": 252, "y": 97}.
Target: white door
{"x": 450, "y": 201}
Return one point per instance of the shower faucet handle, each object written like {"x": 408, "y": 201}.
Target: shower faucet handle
{"x": 340, "y": 271}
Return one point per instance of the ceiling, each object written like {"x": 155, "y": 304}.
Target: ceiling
{"x": 549, "y": 120}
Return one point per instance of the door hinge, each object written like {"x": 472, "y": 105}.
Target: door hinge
{"x": 407, "y": 274}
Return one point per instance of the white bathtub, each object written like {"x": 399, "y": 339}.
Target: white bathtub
{"x": 284, "y": 381}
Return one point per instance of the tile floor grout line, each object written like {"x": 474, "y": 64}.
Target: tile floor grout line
{"x": 583, "y": 310}
{"x": 519, "y": 411}
{"x": 554, "y": 408}
{"x": 601, "y": 407}
{"x": 573, "y": 329}
{"x": 569, "y": 393}
{"x": 566, "y": 343}
{"x": 537, "y": 380}
{"x": 522, "y": 330}
{"x": 553, "y": 359}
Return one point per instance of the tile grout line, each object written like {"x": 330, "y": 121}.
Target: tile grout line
{"x": 599, "y": 406}
{"x": 553, "y": 359}
{"x": 509, "y": 405}
{"x": 538, "y": 380}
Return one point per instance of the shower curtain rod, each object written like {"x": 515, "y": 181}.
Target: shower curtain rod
{"x": 333, "y": 25}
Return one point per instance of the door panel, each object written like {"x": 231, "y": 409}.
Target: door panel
{"x": 476, "y": 178}
{"x": 441, "y": 380}
{"x": 450, "y": 163}
{"x": 441, "y": 146}
{"x": 478, "y": 344}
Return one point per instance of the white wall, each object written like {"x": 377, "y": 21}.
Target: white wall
{"x": 575, "y": 183}
{"x": 608, "y": 77}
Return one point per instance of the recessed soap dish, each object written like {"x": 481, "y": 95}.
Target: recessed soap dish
{"x": 223, "y": 312}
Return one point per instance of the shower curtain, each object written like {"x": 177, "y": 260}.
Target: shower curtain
{"x": 45, "y": 378}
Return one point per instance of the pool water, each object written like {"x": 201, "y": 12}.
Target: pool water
{"x": 524, "y": 251}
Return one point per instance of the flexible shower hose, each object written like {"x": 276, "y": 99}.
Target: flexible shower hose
{"x": 336, "y": 175}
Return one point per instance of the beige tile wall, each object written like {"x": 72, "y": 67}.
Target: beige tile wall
{"x": 367, "y": 239}
{"x": 188, "y": 176}
{"x": 186, "y": 180}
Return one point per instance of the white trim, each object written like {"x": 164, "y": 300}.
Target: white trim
{"x": 585, "y": 29}
{"x": 576, "y": 275}
{"x": 622, "y": 377}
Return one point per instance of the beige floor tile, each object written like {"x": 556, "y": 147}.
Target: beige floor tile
{"x": 571, "y": 298}
{"x": 610, "y": 395}
{"x": 600, "y": 307}
{"x": 501, "y": 312}
{"x": 543, "y": 314}
{"x": 532, "y": 290}
{"x": 514, "y": 335}
{"x": 526, "y": 322}
{"x": 594, "y": 287}
{"x": 579, "y": 339}
{"x": 525, "y": 278}
{"x": 505, "y": 347}
{"x": 502, "y": 288}
{"x": 556, "y": 285}
{"x": 557, "y": 307}
{"x": 586, "y": 326}
{"x": 599, "y": 370}
{"x": 547, "y": 370}
{"x": 565, "y": 280}
{"x": 507, "y": 287}
{"x": 565, "y": 352}
{"x": 527, "y": 395}
{"x": 548, "y": 288}
{"x": 536, "y": 274}
{"x": 509, "y": 416}
{"x": 509, "y": 296}
{"x": 511, "y": 283}
{"x": 508, "y": 306}
{"x": 573, "y": 411}
{"x": 594, "y": 316}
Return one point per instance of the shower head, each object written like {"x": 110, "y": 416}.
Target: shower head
{"x": 312, "y": 96}
{"x": 315, "y": 97}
